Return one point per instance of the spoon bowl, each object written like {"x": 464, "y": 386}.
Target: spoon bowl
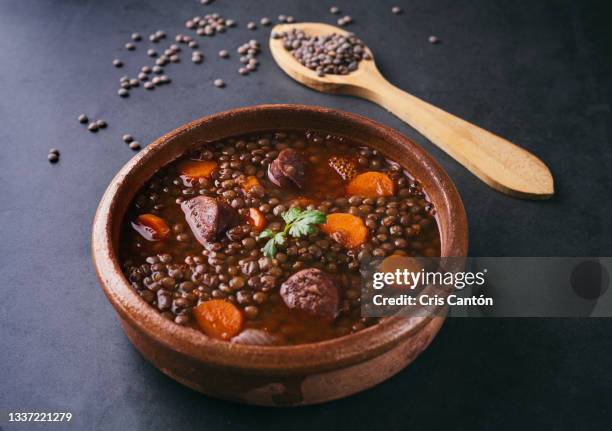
{"x": 339, "y": 84}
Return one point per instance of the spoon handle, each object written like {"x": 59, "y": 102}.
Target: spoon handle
{"x": 496, "y": 161}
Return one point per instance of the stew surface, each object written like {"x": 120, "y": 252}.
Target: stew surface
{"x": 258, "y": 239}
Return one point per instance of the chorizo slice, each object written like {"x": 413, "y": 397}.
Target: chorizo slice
{"x": 209, "y": 218}
{"x": 287, "y": 169}
{"x": 257, "y": 337}
{"x": 311, "y": 291}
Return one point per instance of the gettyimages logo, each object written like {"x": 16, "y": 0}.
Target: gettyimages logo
{"x": 411, "y": 279}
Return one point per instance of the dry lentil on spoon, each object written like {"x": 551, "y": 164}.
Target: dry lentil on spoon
{"x": 334, "y": 54}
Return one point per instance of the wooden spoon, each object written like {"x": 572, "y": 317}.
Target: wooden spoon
{"x": 496, "y": 161}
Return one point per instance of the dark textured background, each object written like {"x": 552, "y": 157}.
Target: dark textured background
{"x": 536, "y": 72}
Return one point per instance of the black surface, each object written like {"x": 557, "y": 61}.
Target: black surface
{"x": 537, "y": 73}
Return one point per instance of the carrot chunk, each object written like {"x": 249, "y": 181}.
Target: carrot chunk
{"x": 256, "y": 219}
{"x": 151, "y": 227}
{"x": 249, "y": 183}
{"x": 346, "y": 229}
{"x": 219, "y": 319}
{"x": 196, "y": 169}
{"x": 371, "y": 185}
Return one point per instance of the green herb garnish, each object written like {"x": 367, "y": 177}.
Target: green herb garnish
{"x": 297, "y": 223}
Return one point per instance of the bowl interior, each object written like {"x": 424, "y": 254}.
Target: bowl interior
{"x": 115, "y": 202}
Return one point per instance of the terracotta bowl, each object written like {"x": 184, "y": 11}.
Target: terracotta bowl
{"x": 285, "y": 375}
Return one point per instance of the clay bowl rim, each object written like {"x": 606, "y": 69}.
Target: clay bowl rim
{"x": 329, "y": 354}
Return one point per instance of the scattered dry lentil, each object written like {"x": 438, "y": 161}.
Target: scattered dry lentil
{"x": 345, "y": 20}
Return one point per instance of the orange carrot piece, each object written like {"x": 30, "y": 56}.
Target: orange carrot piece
{"x": 219, "y": 319}
{"x": 195, "y": 169}
{"x": 256, "y": 219}
{"x": 346, "y": 229}
{"x": 249, "y": 183}
{"x": 152, "y": 227}
{"x": 371, "y": 185}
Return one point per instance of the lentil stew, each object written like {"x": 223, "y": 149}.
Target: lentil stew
{"x": 258, "y": 239}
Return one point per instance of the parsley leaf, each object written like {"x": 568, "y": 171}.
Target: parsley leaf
{"x": 311, "y": 217}
{"x": 279, "y": 238}
{"x": 269, "y": 249}
{"x": 291, "y": 215}
{"x": 268, "y": 233}
{"x": 297, "y": 223}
